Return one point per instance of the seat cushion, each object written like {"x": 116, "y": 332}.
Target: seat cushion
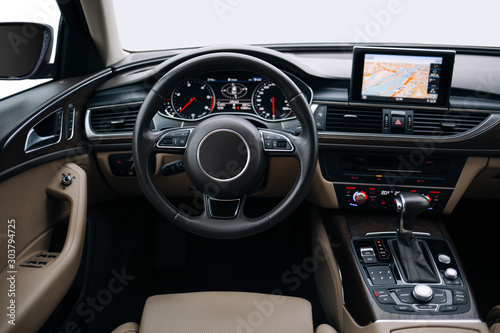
{"x": 493, "y": 319}
{"x": 127, "y": 328}
{"x": 226, "y": 312}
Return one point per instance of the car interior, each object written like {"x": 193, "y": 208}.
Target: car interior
{"x": 245, "y": 188}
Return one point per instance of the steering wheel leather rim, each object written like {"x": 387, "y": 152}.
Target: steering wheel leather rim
{"x": 306, "y": 148}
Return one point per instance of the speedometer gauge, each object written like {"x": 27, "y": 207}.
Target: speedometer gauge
{"x": 269, "y": 102}
{"x": 193, "y": 99}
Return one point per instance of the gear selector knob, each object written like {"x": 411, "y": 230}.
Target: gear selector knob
{"x": 410, "y": 205}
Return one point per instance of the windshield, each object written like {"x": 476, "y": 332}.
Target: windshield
{"x": 156, "y": 25}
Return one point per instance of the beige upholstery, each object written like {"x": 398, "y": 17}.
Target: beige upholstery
{"x": 324, "y": 328}
{"x": 127, "y": 328}
{"x": 225, "y": 312}
{"x": 493, "y": 319}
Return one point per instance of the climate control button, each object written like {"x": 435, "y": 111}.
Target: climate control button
{"x": 360, "y": 197}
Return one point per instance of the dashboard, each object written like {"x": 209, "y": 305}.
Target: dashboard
{"x": 365, "y": 140}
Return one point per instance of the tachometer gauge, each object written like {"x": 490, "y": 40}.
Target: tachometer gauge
{"x": 269, "y": 102}
{"x": 193, "y": 99}
{"x": 167, "y": 108}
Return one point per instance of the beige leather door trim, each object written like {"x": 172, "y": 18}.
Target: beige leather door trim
{"x": 34, "y": 293}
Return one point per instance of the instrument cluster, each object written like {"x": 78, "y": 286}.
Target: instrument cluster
{"x": 226, "y": 92}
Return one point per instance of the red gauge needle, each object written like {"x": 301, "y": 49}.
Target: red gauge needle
{"x": 272, "y": 100}
{"x": 185, "y": 106}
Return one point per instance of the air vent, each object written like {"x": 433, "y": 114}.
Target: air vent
{"x": 114, "y": 119}
{"x": 354, "y": 120}
{"x": 443, "y": 123}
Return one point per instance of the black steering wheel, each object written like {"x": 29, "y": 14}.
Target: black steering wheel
{"x": 224, "y": 156}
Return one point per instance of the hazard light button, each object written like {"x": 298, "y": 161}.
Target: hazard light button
{"x": 398, "y": 122}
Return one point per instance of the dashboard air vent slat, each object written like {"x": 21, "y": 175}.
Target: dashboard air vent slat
{"x": 113, "y": 120}
{"x": 354, "y": 120}
{"x": 443, "y": 123}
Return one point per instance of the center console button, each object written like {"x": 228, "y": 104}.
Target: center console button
{"x": 439, "y": 296}
{"x": 368, "y": 255}
{"x": 425, "y": 307}
{"x": 404, "y": 295}
{"x": 444, "y": 259}
{"x": 448, "y": 308}
{"x": 380, "y": 275}
{"x": 385, "y": 299}
{"x": 459, "y": 297}
{"x": 423, "y": 292}
{"x": 405, "y": 308}
{"x": 451, "y": 273}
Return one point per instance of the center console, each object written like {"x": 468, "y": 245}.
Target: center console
{"x": 383, "y": 278}
{"x": 363, "y": 284}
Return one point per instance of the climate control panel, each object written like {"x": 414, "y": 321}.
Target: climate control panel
{"x": 381, "y": 198}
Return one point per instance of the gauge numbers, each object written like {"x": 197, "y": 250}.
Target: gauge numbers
{"x": 193, "y": 99}
{"x": 269, "y": 102}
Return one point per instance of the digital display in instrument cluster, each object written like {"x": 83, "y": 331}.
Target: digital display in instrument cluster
{"x": 234, "y": 90}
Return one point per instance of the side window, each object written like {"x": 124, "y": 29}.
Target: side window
{"x": 35, "y": 11}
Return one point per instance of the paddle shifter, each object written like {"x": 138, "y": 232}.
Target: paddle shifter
{"x": 412, "y": 254}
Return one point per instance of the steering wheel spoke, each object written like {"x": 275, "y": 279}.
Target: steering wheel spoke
{"x": 224, "y": 208}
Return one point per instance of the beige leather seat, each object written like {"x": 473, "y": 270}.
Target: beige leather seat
{"x": 225, "y": 312}
{"x": 493, "y": 319}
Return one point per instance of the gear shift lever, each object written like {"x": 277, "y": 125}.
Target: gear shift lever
{"x": 410, "y": 205}
{"x": 411, "y": 254}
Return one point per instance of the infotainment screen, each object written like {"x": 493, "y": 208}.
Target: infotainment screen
{"x": 401, "y": 76}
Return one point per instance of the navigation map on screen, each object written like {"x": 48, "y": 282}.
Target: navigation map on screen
{"x": 401, "y": 77}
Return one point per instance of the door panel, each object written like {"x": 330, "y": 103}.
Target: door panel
{"x": 33, "y": 280}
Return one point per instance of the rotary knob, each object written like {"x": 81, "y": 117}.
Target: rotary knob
{"x": 360, "y": 197}
{"x": 451, "y": 273}
{"x": 423, "y": 292}
{"x": 66, "y": 180}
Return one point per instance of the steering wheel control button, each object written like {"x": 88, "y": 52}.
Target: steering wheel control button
{"x": 423, "y": 292}
{"x": 223, "y": 154}
{"x": 174, "y": 139}
{"x": 443, "y": 258}
{"x": 380, "y": 275}
{"x": 276, "y": 142}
